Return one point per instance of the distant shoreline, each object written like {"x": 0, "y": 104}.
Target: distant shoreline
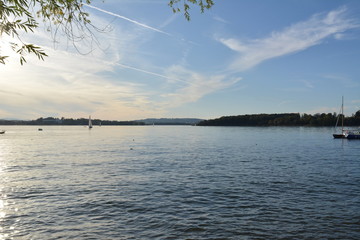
{"x": 50, "y": 121}
{"x": 251, "y": 120}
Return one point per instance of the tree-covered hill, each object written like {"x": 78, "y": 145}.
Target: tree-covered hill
{"x": 283, "y": 119}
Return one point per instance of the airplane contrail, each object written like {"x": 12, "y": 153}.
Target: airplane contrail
{"x": 141, "y": 70}
{"x": 148, "y": 27}
{"x": 127, "y": 19}
{"x": 155, "y": 74}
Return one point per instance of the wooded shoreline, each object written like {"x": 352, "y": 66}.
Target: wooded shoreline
{"x": 283, "y": 119}
{"x": 278, "y": 119}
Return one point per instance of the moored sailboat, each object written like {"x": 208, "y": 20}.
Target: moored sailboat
{"x": 342, "y": 134}
{"x": 90, "y": 123}
{"x": 353, "y": 134}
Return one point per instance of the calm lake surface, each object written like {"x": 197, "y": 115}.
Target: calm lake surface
{"x": 178, "y": 182}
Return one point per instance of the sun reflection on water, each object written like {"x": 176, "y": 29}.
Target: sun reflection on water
{"x": 4, "y": 152}
{"x": 2, "y": 197}
{"x": 3, "y": 204}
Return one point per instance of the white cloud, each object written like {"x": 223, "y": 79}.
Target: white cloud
{"x": 341, "y": 80}
{"x": 70, "y": 85}
{"x": 234, "y": 44}
{"x": 308, "y": 84}
{"x": 295, "y": 38}
{"x": 220, "y": 19}
{"x": 194, "y": 85}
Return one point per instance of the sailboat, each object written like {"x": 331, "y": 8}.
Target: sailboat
{"x": 353, "y": 134}
{"x": 90, "y": 123}
{"x": 341, "y": 114}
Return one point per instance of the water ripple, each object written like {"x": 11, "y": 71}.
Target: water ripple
{"x": 180, "y": 183}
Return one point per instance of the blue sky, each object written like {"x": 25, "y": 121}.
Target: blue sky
{"x": 240, "y": 57}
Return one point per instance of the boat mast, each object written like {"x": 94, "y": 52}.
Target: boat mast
{"x": 342, "y": 113}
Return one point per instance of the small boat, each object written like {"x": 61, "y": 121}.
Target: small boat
{"x": 342, "y": 134}
{"x": 2, "y": 131}
{"x": 353, "y": 135}
{"x": 90, "y": 123}
{"x": 40, "y": 129}
{"x": 339, "y": 135}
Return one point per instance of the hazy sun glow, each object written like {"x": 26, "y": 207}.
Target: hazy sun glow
{"x": 156, "y": 64}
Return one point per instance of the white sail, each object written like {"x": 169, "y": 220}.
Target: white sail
{"x": 90, "y": 123}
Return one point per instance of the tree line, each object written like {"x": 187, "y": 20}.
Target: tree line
{"x": 67, "y": 121}
{"x": 283, "y": 119}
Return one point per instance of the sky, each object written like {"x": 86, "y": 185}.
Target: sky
{"x": 144, "y": 61}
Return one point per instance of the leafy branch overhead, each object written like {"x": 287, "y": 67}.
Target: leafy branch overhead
{"x": 18, "y": 16}
{"x": 204, "y": 4}
{"x": 60, "y": 16}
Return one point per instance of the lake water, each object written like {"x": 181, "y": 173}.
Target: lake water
{"x": 178, "y": 182}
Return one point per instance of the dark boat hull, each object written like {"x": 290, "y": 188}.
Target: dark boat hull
{"x": 353, "y": 136}
{"x": 339, "y": 135}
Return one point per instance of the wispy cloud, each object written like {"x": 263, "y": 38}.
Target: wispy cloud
{"x": 70, "y": 85}
{"x": 308, "y": 84}
{"x": 171, "y": 78}
{"x": 297, "y": 37}
{"x": 343, "y": 80}
{"x": 196, "y": 87}
{"x": 219, "y": 19}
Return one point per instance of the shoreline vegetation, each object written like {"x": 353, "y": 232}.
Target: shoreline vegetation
{"x": 279, "y": 119}
{"x": 283, "y": 119}
{"x": 97, "y": 122}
